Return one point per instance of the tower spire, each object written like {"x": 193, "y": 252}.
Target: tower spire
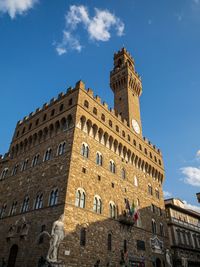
{"x": 127, "y": 88}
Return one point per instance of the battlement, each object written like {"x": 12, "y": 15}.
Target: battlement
{"x": 47, "y": 105}
{"x": 81, "y": 86}
{"x": 121, "y": 52}
{"x": 114, "y": 113}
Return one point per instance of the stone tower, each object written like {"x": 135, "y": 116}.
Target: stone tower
{"x": 127, "y": 87}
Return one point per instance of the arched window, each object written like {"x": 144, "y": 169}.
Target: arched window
{"x": 25, "y": 165}
{"x": 112, "y": 208}
{"x": 53, "y": 200}
{"x": 85, "y": 150}
{"x": 157, "y": 193}
{"x": 99, "y": 159}
{"x": 38, "y": 202}
{"x": 4, "y": 173}
{"x": 35, "y": 160}
{"x": 48, "y": 154}
{"x": 15, "y": 169}
{"x": 25, "y": 205}
{"x": 83, "y": 237}
{"x": 135, "y": 181}
{"x": 3, "y": 211}
{"x": 112, "y": 166}
{"x": 13, "y": 208}
{"x": 61, "y": 148}
{"x": 103, "y": 117}
{"x": 86, "y": 104}
{"x": 150, "y": 190}
{"x": 95, "y": 111}
{"x": 153, "y": 226}
{"x": 161, "y": 229}
{"x": 97, "y": 205}
{"x": 80, "y": 198}
{"x": 123, "y": 173}
{"x": 109, "y": 242}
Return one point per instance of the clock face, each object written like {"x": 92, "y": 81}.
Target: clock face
{"x": 135, "y": 126}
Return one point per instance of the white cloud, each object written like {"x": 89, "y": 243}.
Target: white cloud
{"x": 192, "y": 175}
{"x": 167, "y": 194}
{"x": 98, "y": 27}
{"x": 14, "y": 7}
{"x": 191, "y": 207}
{"x": 68, "y": 42}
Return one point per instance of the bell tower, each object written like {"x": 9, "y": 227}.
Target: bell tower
{"x": 127, "y": 88}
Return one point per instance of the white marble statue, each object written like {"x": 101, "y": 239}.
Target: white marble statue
{"x": 168, "y": 258}
{"x": 57, "y": 235}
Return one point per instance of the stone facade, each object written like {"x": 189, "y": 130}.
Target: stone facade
{"x": 77, "y": 157}
{"x": 184, "y": 233}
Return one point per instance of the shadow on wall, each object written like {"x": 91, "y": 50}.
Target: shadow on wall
{"x": 107, "y": 242}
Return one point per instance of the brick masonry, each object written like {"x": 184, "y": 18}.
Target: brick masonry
{"x": 76, "y": 118}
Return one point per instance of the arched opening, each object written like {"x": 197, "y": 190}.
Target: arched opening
{"x": 12, "y": 256}
{"x": 158, "y": 263}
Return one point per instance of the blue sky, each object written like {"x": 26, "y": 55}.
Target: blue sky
{"x": 47, "y": 45}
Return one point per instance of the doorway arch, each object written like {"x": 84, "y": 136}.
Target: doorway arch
{"x": 12, "y": 255}
{"x": 158, "y": 263}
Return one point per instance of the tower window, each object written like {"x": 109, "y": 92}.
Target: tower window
{"x": 112, "y": 208}
{"x": 45, "y": 117}
{"x": 109, "y": 242}
{"x": 30, "y": 126}
{"x": 157, "y": 193}
{"x": 53, "y": 200}
{"x": 85, "y": 150}
{"x": 150, "y": 190}
{"x": 112, "y": 166}
{"x": 110, "y": 123}
{"x": 61, "y": 148}
{"x": 86, "y": 104}
{"x": 38, "y": 202}
{"x": 99, "y": 159}
{"x": 117, "y": 128}
{"x": 4, "y": 173}
{"x": 61, "y": 107}
{"x": 15, "y": 169}
{"x": 25, "y": 165}
{"x": 97, "y": 205}
{"x": 37, "y": 122}
{"x": 35, "y": 160}
{"x": 52, "y": 112}
{"x": 13, "y": 208}
{"x": 153, "y": 226}
{"x": 70, "y": 101}
{"x": 80, "y": 198}
{"x": 103, "y": 117}
{"x": 83, "y": 237}
{"x": 95, "y": 111}
{"x": 123, "y": 173}
{"x": 48, "y": 154}
{"x": 25, "y": 205}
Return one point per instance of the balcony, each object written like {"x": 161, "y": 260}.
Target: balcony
{"x": 126, "y": 220}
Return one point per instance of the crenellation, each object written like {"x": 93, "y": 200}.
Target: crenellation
{"x": 90, "y": 92}
{"x": 74, "y": 143}
{"x": 60, "y": 96}
{"x": 98, "y": 99}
